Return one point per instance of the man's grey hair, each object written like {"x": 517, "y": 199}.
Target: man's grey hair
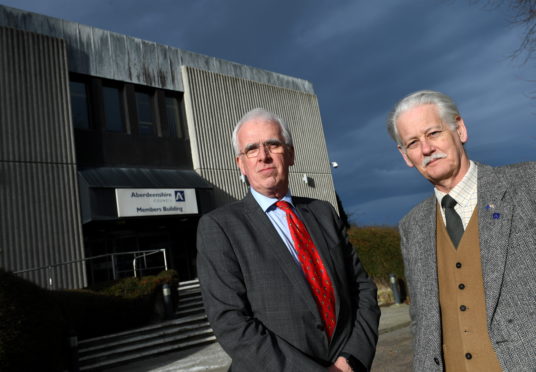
{"x": 448, "y": 111}
{"x": 264, "y": 115}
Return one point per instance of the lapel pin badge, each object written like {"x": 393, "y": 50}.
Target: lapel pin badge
{"x": 491, "y": 207}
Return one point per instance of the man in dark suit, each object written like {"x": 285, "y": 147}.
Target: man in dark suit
{"x": 272, "y": 308}
{"x": 469, "y": 250}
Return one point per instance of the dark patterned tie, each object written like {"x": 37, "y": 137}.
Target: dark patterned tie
{"x": 313, "y": 268}
{"x": 454, "y": 222}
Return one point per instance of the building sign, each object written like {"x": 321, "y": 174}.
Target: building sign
{"x": 155, "y": 202}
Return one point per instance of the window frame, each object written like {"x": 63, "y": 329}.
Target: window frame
{"x": 87, "y": 84}
{"x": 162, "y": 124}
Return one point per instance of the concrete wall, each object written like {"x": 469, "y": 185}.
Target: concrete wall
{"x": 106, "y": 54}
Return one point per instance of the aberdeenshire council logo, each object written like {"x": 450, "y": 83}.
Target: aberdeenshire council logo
{"x": 179, "y": 196}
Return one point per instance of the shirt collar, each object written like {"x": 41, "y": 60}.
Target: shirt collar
{"x": 267, "y": 203}
{"x": 463, "y": 190}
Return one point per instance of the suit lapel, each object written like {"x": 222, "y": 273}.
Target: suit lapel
{"x": 495, "y": 220}
{"x": 275, "y": 246}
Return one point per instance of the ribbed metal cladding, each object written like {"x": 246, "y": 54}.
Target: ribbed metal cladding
{"x": 230, "y": 179}
{"x": 40, "y": 217}
{"x": 214, "y": 104}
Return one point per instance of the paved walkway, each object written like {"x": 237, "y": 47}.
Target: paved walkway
{"x": 212, "y": 358}
{"x": 394, "y": 317}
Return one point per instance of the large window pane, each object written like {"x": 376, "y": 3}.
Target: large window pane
{"x": 79, "y": 104}
{"x": 113, "y": 109}
{"x": 173, "y": 117}
{"x": 145, "y": 109}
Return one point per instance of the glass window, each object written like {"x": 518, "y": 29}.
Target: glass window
{"x": 173, "y": 117}
{"x": 79, "y": 104}
{"x": 145, "y": 109}
{"x": 113, "y": 109}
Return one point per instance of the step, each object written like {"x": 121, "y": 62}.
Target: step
{"x": 190, "y": 312}
{"x": 190, "y": 296}
{"x": 193, "y": 301}
{"x": 144, "y": 343}
{"x": 187, "y": 283}
{"x": 151, "y": 327}
{"x": 190, "y": 293}
{"x": 182, "y": 330}
{"x": 189, "y": 328}
{"x": 144, "y": 354}
{"x": 189, "y": 287}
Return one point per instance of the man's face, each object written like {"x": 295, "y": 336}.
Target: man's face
{"x": 432, "y": 147}
{"x": 267, "y": 173}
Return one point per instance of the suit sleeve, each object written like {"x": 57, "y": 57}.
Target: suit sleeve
{"x": 249, "y": 343}
{"x": 408, "y": 274}
{"x": 363, "y": 338}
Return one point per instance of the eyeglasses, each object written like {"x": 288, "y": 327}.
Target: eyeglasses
{"x": 273, "y": 146}
{"x": 429, "y": 137}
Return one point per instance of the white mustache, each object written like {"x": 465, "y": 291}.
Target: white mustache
{"x": 435, "y": 155}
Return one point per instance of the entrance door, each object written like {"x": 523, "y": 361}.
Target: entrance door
{"x": 175, "y": 235}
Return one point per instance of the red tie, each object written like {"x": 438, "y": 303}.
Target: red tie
{"x": 313, "y": 267}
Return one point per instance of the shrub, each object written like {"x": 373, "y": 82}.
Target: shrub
{"x": 379, "y": 250}
{"x": 139, "y": 287}
{"x": 32, "y": 331}
{"x": 116, "y": 306}
{"x": 35, "y": 323}
{"x": 90, "y": 314}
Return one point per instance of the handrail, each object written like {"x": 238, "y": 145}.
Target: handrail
{"x": 144, "y": 255}
{"x": 112, "y": 255}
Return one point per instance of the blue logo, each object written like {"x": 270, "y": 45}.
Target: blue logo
{"x": 179, "y": 196}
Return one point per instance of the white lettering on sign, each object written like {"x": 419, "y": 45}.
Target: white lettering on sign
{"x": 155, "y": 202}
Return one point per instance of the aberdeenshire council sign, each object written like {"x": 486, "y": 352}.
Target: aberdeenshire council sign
{"x": 155, "y": 202}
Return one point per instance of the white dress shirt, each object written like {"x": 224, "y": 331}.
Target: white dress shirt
{"x": 465, "y": 193}
{"x": 278, "y": 217}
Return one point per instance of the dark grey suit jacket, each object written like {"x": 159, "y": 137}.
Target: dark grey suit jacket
{"x": 507, "y": 228}
{"x": 257, "y": 298}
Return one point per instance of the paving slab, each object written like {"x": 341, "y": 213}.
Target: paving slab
{"x": 394, "y": 352}
{"x": 394, "y": 317}
{"x": 203, "y": 358}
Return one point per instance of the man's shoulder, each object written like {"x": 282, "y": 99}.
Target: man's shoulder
{"x": 417, "y": 212}
{"x": 307, "y": 201}
{"x": 224, "y": 211}
{"x": 523, "y": 170}
{"x": 310, "y": 203}
{"x": 520, "y": 175}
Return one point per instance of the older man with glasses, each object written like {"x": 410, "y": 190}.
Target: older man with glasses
{"x": 283, "y": 288}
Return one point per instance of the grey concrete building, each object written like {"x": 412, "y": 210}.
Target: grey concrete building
{"x": 98, "y": 128}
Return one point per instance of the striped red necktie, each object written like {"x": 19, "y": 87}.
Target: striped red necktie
{"x": 312, "y": 267}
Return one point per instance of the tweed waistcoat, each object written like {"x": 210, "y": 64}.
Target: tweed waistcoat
{"x": 466, "y": 342}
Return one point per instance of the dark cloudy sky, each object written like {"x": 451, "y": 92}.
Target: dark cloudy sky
{"x": 361, "y": 56}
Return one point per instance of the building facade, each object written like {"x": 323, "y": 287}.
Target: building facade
{"x": 111, "y": 144}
